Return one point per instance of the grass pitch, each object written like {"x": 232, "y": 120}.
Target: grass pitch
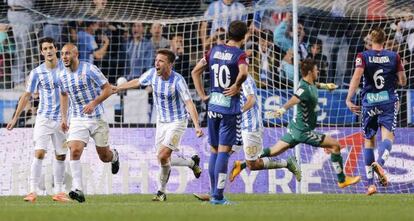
{"x": 250, "y": 207}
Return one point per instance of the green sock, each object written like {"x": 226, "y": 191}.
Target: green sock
{"x": 338, "y": 166}
{"x": 266, "y": 153}
{"x": 243, "y": 165}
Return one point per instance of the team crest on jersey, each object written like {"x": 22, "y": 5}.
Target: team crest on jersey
{"x": 358, "y": 62}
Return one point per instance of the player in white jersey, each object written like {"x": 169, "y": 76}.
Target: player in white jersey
{"x": 173, "y": 103}
{"x": 252, "y": 135}
{"x": 84, "y": 85}
{"x": 44, "y": 80}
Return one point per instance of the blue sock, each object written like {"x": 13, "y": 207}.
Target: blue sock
{"x": 369, "y": 159}
{"x": 384, "y": 149}
{"x": 220, "y": 174}
{"x": 211, "y": 169}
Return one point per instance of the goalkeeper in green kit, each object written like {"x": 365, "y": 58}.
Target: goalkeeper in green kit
{"x": 301, "y": 128}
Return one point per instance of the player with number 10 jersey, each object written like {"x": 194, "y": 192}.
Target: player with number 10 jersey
{"x": 228, "y": 66}
{"x": 224, "y": 61}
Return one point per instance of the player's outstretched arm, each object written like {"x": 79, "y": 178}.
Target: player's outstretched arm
{"x": 194, "y": 116}
{"x": 196, "y": 75}
{"x": 128, "y": 85}
{"x": 291, "y": 102}
{"x": 64, "y": 104}
{"x": 327, "y": 86}
{"x": 24, "y": 99}
{"x": 356, "y": 79}
{"x": 279, "y": 112}
{"x": 106, "y": 92}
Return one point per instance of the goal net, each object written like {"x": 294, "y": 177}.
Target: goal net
{"x": 126, "y": 35}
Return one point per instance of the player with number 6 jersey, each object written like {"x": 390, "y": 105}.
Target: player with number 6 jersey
{"x": 228, "y": 66}
{"x": 382, "y": 72}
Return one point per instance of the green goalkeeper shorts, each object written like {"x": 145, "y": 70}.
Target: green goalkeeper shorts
{"x": 295, "y": 137}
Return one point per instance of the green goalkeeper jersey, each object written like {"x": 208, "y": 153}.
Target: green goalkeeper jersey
{"x": 306, "y": 117}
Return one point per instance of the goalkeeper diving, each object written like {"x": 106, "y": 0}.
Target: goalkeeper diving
{"x": 301, "y": 128}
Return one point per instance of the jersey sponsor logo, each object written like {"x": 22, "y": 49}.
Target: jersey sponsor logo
{"x": 299, "y": 91}
{"x": 222, "y": 56}
{"x": 377, "y": 97}
{"x": 212, "y": 114}
{"x": 379, "y": 60}
{"x": 220, "y": 99}
{"x": 374, "y": 112}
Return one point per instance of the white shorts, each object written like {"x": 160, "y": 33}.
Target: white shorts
{"x": 252, "y": 144}
{"x": 46, "y": 130}
{"x": 81, "y": 129}
{"x": 169, "y": 134}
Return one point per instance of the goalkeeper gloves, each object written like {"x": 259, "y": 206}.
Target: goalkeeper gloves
{"x": 276, "y": 114}
{"x": 328, "y": 86}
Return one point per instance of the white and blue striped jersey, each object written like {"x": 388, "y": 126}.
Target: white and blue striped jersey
{"x": 169, "y": 95}
{"x": 46, "y": 82}
{"x": 223, "y": 14}
{"x": 251, "y": 119}
{"x": 82, "y": 87}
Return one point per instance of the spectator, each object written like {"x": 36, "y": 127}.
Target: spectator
{"x": 269, "y": 18}
{"x": 70, "y": 33}
{"x": 221, "y": 13}
{"x": 263, "y": 60}
{"x": 218, "y": 38}
{"x": 53, "y": 30}
{"x": 182, "y": 58}
{"x": 140, "y": 52}
{"x": 283, "y": 37}
{"x": 5, "y": 45}
{"x": 336, "y": 43}
{"x": 408, "y": 25}
{"x": 87, "y": 46}
{"x": 21, "y": 22}
{"x": 6, "y": 51}
{"x": 117, "y": 53}
{"x": 287, "y": 70}
{"x": 405, "y": 33}
{"x": 158, "y": 41}
{"x": 320, "y": 59}
{"x": 98, "y": 8}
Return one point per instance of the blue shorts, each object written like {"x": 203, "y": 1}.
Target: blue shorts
{"x": 380, "y": 115}
{"x": 222, "y": 128}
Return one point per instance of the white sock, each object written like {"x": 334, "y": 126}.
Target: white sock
{"x": 270, "y": 163}
{"x": 114, "y": 156}
{"x": 35, "y": 173}
{"x": 58, "y": 175}
{"x": 76, "y": 169}
{"x": 164, "y": 176}
{"x": 181, "y": 161}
